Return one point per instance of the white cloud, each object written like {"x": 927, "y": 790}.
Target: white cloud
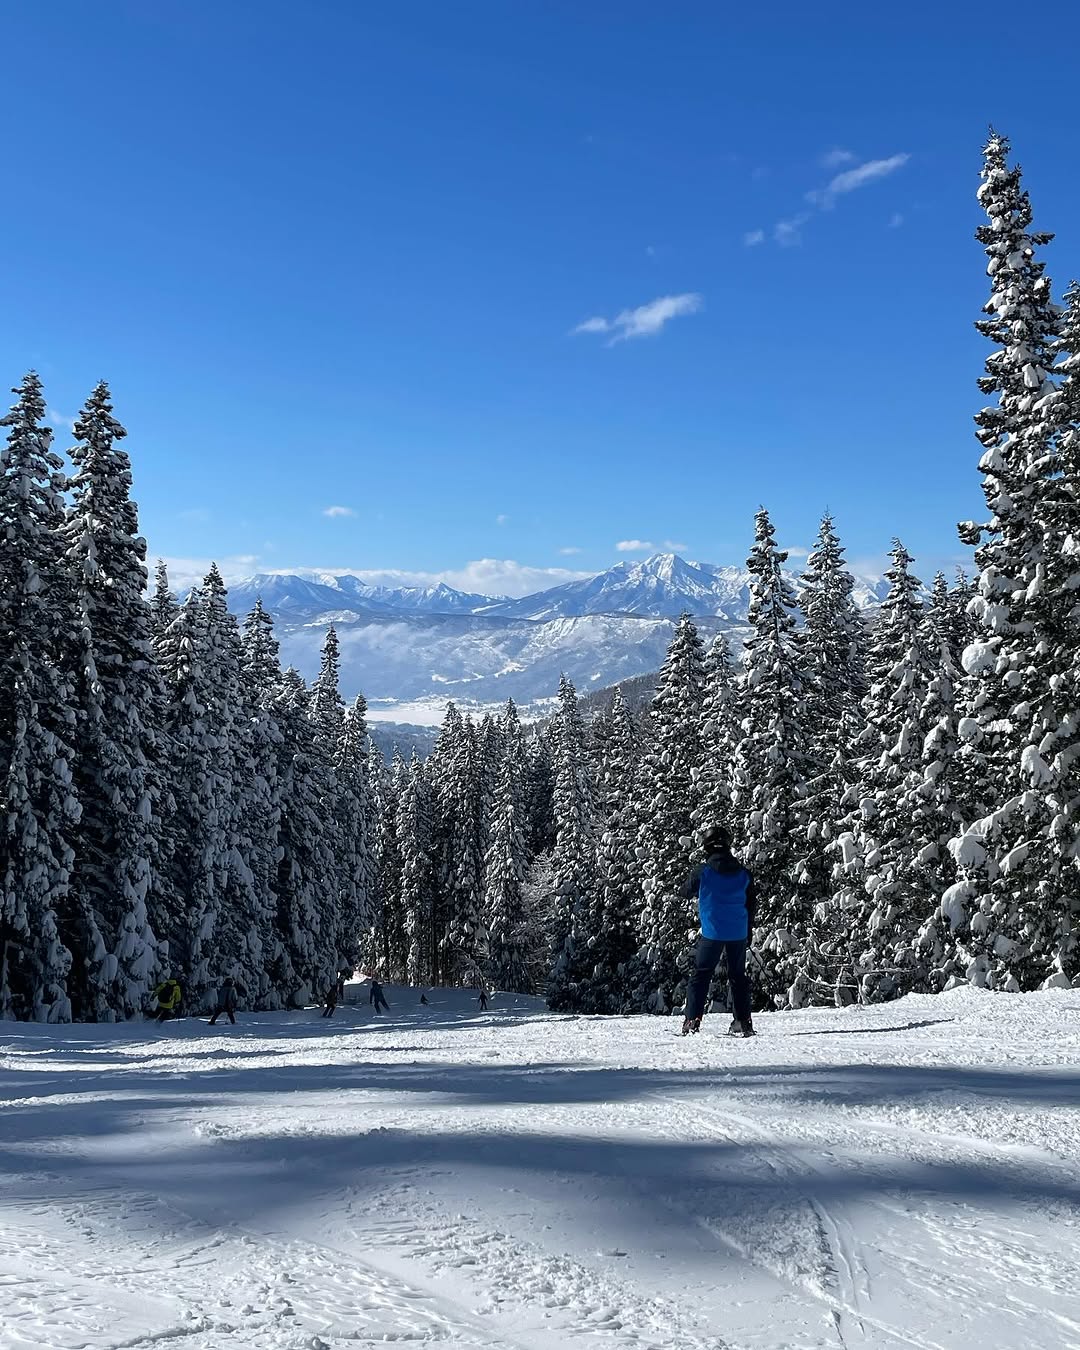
{"x": 795, "y": 551}
{"x": 671, "y": 546}
{"x": 645, "y": 320}
{"x": 852, "y": 179}
{"x": 335, "y": 511}
{"x": 753, "y": 237}
{"x": 488, "y": 576}
{"x": 896, "y": 220}
{"x": 570, "y": 550}
{"x": 788, "y": 233}
{"x": 58, "y": 419}
{"x": 187, "y": 572}
{"x": 501, "y": 519}
{"x": 634, "y": 546}
{"x": 832, "y": 159}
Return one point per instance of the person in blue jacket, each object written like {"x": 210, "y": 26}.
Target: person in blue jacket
{"x": 727, "y": 904}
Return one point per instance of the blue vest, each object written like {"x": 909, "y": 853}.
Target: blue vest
{"x": 722, "y": 904}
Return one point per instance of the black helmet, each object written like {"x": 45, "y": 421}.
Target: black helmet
{"x": 716, "y": 839}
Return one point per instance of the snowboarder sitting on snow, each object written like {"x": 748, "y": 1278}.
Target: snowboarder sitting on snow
{"x": 168, "y": 999}
{"x": 727, "y": 903}
{"x": 226, "y": 1002}
{"x": 376, "y": 997}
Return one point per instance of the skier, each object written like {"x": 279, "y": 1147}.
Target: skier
{"x": 168, "y": 999}
{"x": 727, "y": 903}
{"x": 483, "y": 1000}
{"x": 425, "y": 1001}
{"x": 376, "y": 998}
{"x": 226, "y": 1001}
{"x": 331, "y": 1000}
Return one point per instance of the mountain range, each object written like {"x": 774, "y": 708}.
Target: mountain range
{"x": 410, "y": 649}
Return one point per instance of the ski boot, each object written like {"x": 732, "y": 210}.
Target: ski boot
{"x": 691, "y": 1026}
{"x": 739, "y": 1028}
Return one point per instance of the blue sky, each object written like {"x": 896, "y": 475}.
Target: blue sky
{"x": 503, "y": 280}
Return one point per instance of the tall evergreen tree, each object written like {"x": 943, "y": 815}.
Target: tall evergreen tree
{"x": 574, "y": 873}
{"x": 720, "y": 734}
{"x": 1014, "y": 908}
{"x": 506, "y": 861}
{"x": 38, "y": 808}
{"x": 895, "y": 858}
{"x": 670, "y": 784}
{"x": 163, "y": 606}
{"x": 119, "y": 698}
{"x": 354, "y": 833}
{"x": 457, "y": 925}
{"x": 771, "y": 767}
{"x": 414, "y": 831}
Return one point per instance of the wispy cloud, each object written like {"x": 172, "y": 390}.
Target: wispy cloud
{"x": 486, "y": 576}
{"x": 570, "y": 550}
{"x": 336, "y": 511}
{"x": 673, "y": 546}
{"x": 60, "y": 420}
{"x": 895, "y": 220}
{"x": 853, "y": 179}
{"x": 196, "y": 515}
{"x": 795, "y": 551}
{"x": 501, "y": 518}
{"x": 187, "y": 572}
{"x": 645, "y": 320}
{"x": 788, "y": 233}
{"x": 832, "y": 159}
{"x": 634, "y": 546}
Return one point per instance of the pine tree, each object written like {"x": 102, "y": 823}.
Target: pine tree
{"x": 720, "y": 734}
{"x": 670, "y": 773}
{"x": 163, "y": 606}
{"x": 119, "y": 698}
{"x": 574, "y": 872}
{"x": 390, "y": 920}
{"x": 506, "y": 862}
{"x": 614, "y": 926}
{"x": 771, "y": 768}
{"x": 354, "y": 834}
{"x": 895, "y": 859}
{"x": 1014, "y": 908}
{"x": 414, "y": 832}
{"x": 832, "y": 643}
{"x": 305, "y": 884}
{"x": 38, "y": 809}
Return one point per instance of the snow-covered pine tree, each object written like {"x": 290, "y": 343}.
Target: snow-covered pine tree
{"x": 613, "y": 937}
{"x": 833, "y": 644}
{"x": 894, "y": 854}
{"x": 260, "y": 821}
{"x": 506, "y": 862}
{"x": 1014, "y": 908}
{"x": 305, "y": 884}
{"x": 38, "y": 809}
{"x": 354, "y": 834}
{"x": 720, "y": 734}
{"x": 119, "y": 699}
{"x": 574, "y": 871}
{"x": 540, "y": 790}
{"x": 163, "y": 605}
{"x": 393, "y": 943}
{"x": 771, "y": 767}
{"x": 670, "y": 774}
{"x": 414, "y": 831}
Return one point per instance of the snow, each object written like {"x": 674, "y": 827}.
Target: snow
{"x": 896, "y": 1176}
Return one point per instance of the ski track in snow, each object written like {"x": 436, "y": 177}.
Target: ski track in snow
{"x": 905, "y": 1176}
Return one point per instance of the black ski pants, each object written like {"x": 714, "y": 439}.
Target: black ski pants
{"x": 707, "y": 958}
{"x": 228, "y": 1013}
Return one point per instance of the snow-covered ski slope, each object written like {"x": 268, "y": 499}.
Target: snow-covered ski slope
{"x": 896, "y": 1177}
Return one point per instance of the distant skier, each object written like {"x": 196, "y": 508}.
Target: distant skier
{"x": 727, "y": 904}
{"x": 226, "y": 1001}
{"x": 331, "y": 1001}
{"x": 483, "y": 1000}
{"x": 168, "y": 999}
{"x": 425, "y": 1001}
{"x": 376, "y": 999}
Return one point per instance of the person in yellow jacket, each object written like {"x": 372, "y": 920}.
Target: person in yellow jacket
{"x": 168, "y": 999}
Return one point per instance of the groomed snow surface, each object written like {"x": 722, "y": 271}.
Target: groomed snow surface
{"x": 907, "y": 1175}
